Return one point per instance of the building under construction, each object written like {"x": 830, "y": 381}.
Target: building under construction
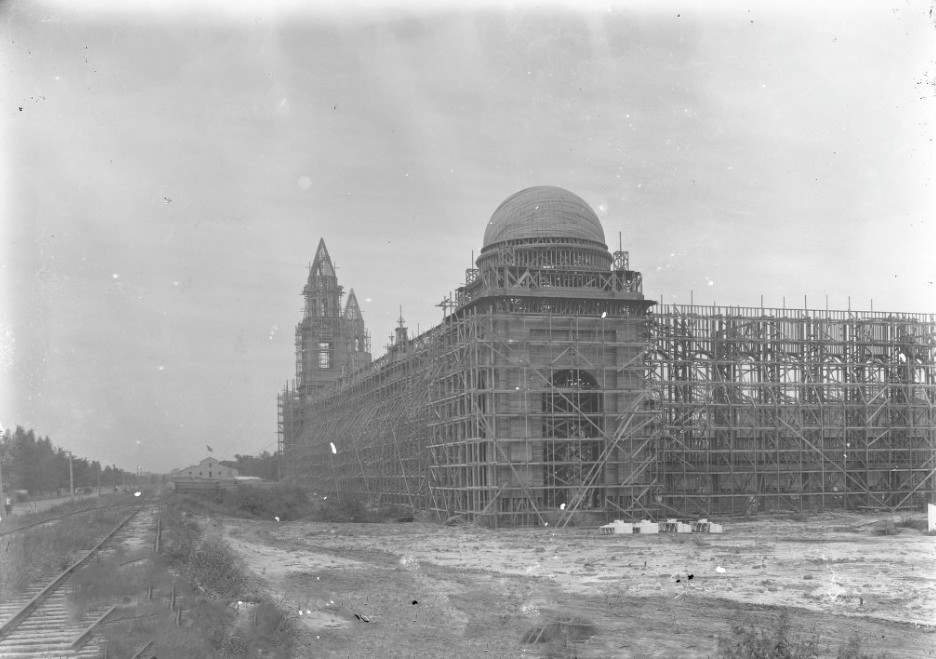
{"x": 552, "y": 391}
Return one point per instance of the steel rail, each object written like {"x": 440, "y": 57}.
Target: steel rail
{"x": 30, "y": 606}
{"x": 50, "y": 520}
{"x": 139, "y": 653}
{"x": 83, "y": 637}
{"x": 69, "y": 514}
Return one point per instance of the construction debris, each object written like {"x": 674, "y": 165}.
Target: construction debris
{"x": 645, "y": 527}
{"x": 618, "y": 527}
{"x": 705, "y": 526}
{"x": 675, "y": 526}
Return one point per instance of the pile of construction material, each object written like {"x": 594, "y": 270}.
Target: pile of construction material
{"x": 705, "y": 526}
{"x": 645, "y": 526}
{"x": 675, "y": 526}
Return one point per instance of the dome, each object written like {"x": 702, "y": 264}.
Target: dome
{"x": 543, "y": 212}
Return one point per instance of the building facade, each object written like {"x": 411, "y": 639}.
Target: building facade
{"x": 554, "y": 391}
{"x": 208, "y": 469}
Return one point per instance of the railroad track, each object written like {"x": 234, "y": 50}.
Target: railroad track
{"x": 39, "y": 623}
{"x": 51, "y": 520}
{"x": 56, "y": 518}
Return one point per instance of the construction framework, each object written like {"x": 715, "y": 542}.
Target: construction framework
{"x": 552, "y": 393}
{"x": 508, "y": 413}
{"x": 793, "y": 409}
{"x": 536, "y": 414}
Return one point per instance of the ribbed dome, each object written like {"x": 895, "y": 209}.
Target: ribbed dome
{"x": 543, "y": 212}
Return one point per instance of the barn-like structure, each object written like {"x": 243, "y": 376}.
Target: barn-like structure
{"x": 553, "y": 391}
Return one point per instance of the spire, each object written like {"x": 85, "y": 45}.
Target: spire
{"x": 400, "y": 331}
{"x": 322, "y": 292}
{"x": 352, "y": 311}
{"x": 322, "y": 264}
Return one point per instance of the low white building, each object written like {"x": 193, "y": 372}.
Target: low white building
{"x": 207, "y": 469}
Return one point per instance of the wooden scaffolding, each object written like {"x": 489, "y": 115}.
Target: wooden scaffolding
{"x": 552, "y": 393}
{"x": 779, "y": 409}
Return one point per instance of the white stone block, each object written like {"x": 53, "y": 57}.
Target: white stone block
{"x": 645, "y": 526}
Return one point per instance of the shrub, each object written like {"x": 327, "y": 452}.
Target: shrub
{"x": 112, "y": 579}
{"x": 213, "y": 569}
{"x": 286, "y": 503}
{"x": 349, "y": 508}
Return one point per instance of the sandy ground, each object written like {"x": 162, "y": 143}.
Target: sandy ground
{"x": 432, "y": 591}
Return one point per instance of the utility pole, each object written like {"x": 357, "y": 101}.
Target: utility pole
{"x": 71, "y": 477}
{"x": 99, "y": 480}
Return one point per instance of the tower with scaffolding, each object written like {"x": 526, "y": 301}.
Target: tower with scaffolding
{"x": 553, "y": 392}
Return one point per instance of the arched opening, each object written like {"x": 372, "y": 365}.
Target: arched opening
{"x": 572, "y": 426}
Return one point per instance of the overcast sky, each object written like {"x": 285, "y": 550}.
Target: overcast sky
{"x": 167, "y": 175}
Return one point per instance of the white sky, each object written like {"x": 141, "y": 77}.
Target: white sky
{"x": 167, "y": 176}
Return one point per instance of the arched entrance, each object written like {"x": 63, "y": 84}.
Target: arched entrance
{"x": 572, "y": 428}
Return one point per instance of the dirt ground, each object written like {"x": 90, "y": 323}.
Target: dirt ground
{"x": 425, "y": 590}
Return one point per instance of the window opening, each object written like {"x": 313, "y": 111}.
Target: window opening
{"x": 324, "y": 355}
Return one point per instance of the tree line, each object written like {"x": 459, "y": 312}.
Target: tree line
{"x": 35, "y": 464}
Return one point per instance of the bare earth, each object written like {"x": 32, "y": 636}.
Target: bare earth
{"x": 424, "y": 590}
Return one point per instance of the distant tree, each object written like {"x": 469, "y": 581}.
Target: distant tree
{"x": 23, "y": 470}
{"x": 36, "y": 465}
{"x": 45, "y": 466}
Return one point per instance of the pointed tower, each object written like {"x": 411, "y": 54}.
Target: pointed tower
{"x": 331, "y": 341}
{"x": 357, "y": 339}
{"x": 322, "y": 292}
{"x": 319, "y": 335}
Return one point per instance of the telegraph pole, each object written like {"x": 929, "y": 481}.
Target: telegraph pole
{"x": 71, "y": 477}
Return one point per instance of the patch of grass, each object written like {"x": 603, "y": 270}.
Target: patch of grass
{"x": 211, "y": 569}
{"x": 286, "y": 503}
{"x": 852, "y": 650}
{"x": 113, "y": 580}
{"x": 748, "y": 642}
{"x": 348, "y": 508}
{"x": 199, "y": 574}
{"x": 207, "y": 563}
{"x": 266, "y": 629}
{"x": 780, "y": 642}
{"x": 125, "y": 634}
{"x": 43, "y": 551}
{"x": 354, "y": 508}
